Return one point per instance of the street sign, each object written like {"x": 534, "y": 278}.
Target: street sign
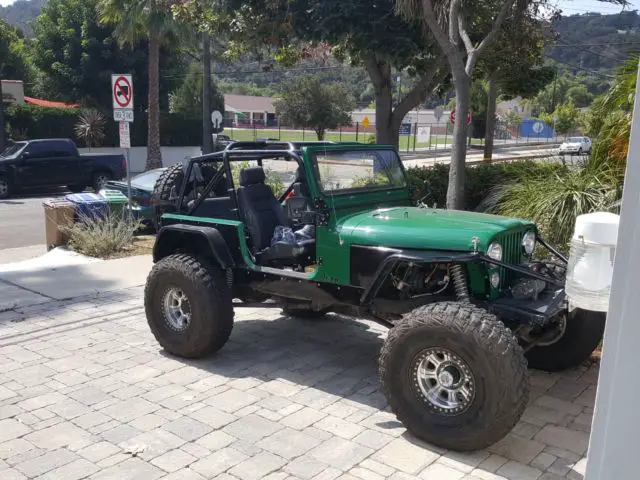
{"x": 437, "y": 112}
{"x": 405, "y": 129}
{"x": 216, "y": 119}
{"x": 452, "y": 117}
{"x": 122, "y": 115}
{"x": 125, "y": 138}
{"x": 424, "y": 134}
{"x": 122, "y": 90}
{"x": 365, "y": 122}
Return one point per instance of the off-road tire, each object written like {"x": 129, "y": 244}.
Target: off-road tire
{"x": 161, "y": 196}
{"x": 582, "y": 335}
{"x": 493, "y": 356}
{"x": 99, "y": 179}
{"x": 6, "y": 190}
{"x": 209, "y": 295}
{"x": 76, "y": 188}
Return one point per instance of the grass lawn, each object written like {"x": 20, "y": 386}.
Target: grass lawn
{"x": 249, "y": 134}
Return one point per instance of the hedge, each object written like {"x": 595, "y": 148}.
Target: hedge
{"x": 480, "y": 180}
{"x": 30, "y": 121}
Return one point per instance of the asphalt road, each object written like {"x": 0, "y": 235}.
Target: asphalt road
{"x": 22, "y": 220}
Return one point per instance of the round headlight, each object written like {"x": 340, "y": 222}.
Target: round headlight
{"x": 529, "y": 242}
{"x": 495, "y": 251}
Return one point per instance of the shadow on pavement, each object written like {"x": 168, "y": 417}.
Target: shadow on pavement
{"x": 335, "y": 355}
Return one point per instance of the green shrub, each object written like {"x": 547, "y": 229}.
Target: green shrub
{"x": 101, "y": 237}
{"x": 480, "y": 180}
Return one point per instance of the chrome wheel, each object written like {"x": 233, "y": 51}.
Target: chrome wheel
{"x": 443, "y": 381}
{"x": 176, "y": 309}
{"x": 4, "y": 188}
{"x": 101, "y": 181}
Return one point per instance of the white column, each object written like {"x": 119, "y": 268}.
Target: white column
{"x": 615, "y": 443}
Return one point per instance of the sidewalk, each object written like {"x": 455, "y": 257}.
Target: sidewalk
{"x": 86, "y": 393}
{"x": 62, "y": 275}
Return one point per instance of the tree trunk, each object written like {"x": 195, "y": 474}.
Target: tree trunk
{"x": 320, "y": 133}
{"x": 154, "y": 155}
{"x": 490, "y": 130}
{"x": 207, "y": 139}
{"x": 455, "y": 191}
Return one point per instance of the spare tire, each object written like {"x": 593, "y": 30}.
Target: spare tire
{"x": 166, "y": 191}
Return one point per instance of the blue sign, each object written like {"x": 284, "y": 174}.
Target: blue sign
{"x": 405, "y": 129}
{"x": 535, "y": 128}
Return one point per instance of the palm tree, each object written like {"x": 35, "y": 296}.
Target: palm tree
{"x": 149, "y": 20}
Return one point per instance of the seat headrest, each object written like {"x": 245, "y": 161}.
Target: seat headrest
{"x": 300, "y": 175}
{"x": 251, "y": 176}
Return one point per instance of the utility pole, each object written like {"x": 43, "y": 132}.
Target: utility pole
{"x": 553, "y": 97}
{"x": 207, "y": 139}
{"x": 2, "y": 139}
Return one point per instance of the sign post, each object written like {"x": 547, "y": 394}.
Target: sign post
{"x": 122, "y": 94}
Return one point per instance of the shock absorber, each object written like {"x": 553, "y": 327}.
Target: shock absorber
{"x": 460, "y": 283}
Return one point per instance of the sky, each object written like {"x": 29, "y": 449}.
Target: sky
{"x": 570, "y": 7}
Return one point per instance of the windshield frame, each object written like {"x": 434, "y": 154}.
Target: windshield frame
{"x": 313, "y": 158}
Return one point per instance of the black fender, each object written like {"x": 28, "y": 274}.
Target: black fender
{"x": 196, "y": 239}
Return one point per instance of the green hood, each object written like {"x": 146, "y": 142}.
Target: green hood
{"x": 422, "y": 228}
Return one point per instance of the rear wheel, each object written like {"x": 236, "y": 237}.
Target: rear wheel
{"x": 454, "y": 375}
{"x": 100, "y": 179}
{"x": 188, "y": 306}
{"x": 580, "y": 333}
{"x": 5, "y": 188}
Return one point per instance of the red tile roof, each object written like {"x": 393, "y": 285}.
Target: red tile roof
{"x": 49, "y": 103}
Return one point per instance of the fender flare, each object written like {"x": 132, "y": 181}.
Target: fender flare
{"x": 193, "y": 239}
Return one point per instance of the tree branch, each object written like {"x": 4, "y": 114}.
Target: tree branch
{"x": 373, "y": 68}
{"x": 418, "y": 92}
{"x": 468, "y": 45}
{"x": 432, "y": 22}
{"x": 496, "y": 26}
{"x": 454, "y": 15}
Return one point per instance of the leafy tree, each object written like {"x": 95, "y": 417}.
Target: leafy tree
{"x": 76, "y": 55}
{"x": 567, "y": 116}
{"x": 13, "y": 63}
{"x": 187, "y": 99}
{"x": 579, "y": 96}
{"x": 306, "y": 102}
{"x": 464, "y": 31}
{"x": 150, "y": 20}
{"x": 360, "y": 34}
{"x": 513, "y": 66}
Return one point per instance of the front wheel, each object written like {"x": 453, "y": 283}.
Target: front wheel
{"x": 5, "y": 188}
{"x": 580, "y": 333}
{"x": 188, "y": 306}
{"x": 454, "y": 375}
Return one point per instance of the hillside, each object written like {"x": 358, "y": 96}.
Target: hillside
{"x": 21, "y": 13}
{"x": 605, "y": 41}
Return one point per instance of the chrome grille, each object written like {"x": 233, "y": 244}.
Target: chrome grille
{"x": 511, "y": 253}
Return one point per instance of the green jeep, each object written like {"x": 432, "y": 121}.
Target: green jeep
{"x": 466, "y": 303}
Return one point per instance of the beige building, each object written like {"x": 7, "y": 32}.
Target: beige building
{"x": 249, "y": 110}
{"x": 13, "y": 91}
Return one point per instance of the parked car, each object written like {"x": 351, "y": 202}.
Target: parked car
{"x": 577, "y": 145}
{"x": 221, "y": 142}
{"x": 141, "y": 190}
{"x": 53, "y": 163}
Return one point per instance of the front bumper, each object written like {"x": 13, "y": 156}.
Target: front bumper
{"x": 569, "y": 150}
{"x": 536, "y": 311}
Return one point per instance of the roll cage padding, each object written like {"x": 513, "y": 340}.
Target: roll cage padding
{"x": 206, "y": 241}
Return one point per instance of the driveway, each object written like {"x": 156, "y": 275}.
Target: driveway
{"x": 85, "y": 392}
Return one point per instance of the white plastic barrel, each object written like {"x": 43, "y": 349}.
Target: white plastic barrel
{"x": 590, "y": 269}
